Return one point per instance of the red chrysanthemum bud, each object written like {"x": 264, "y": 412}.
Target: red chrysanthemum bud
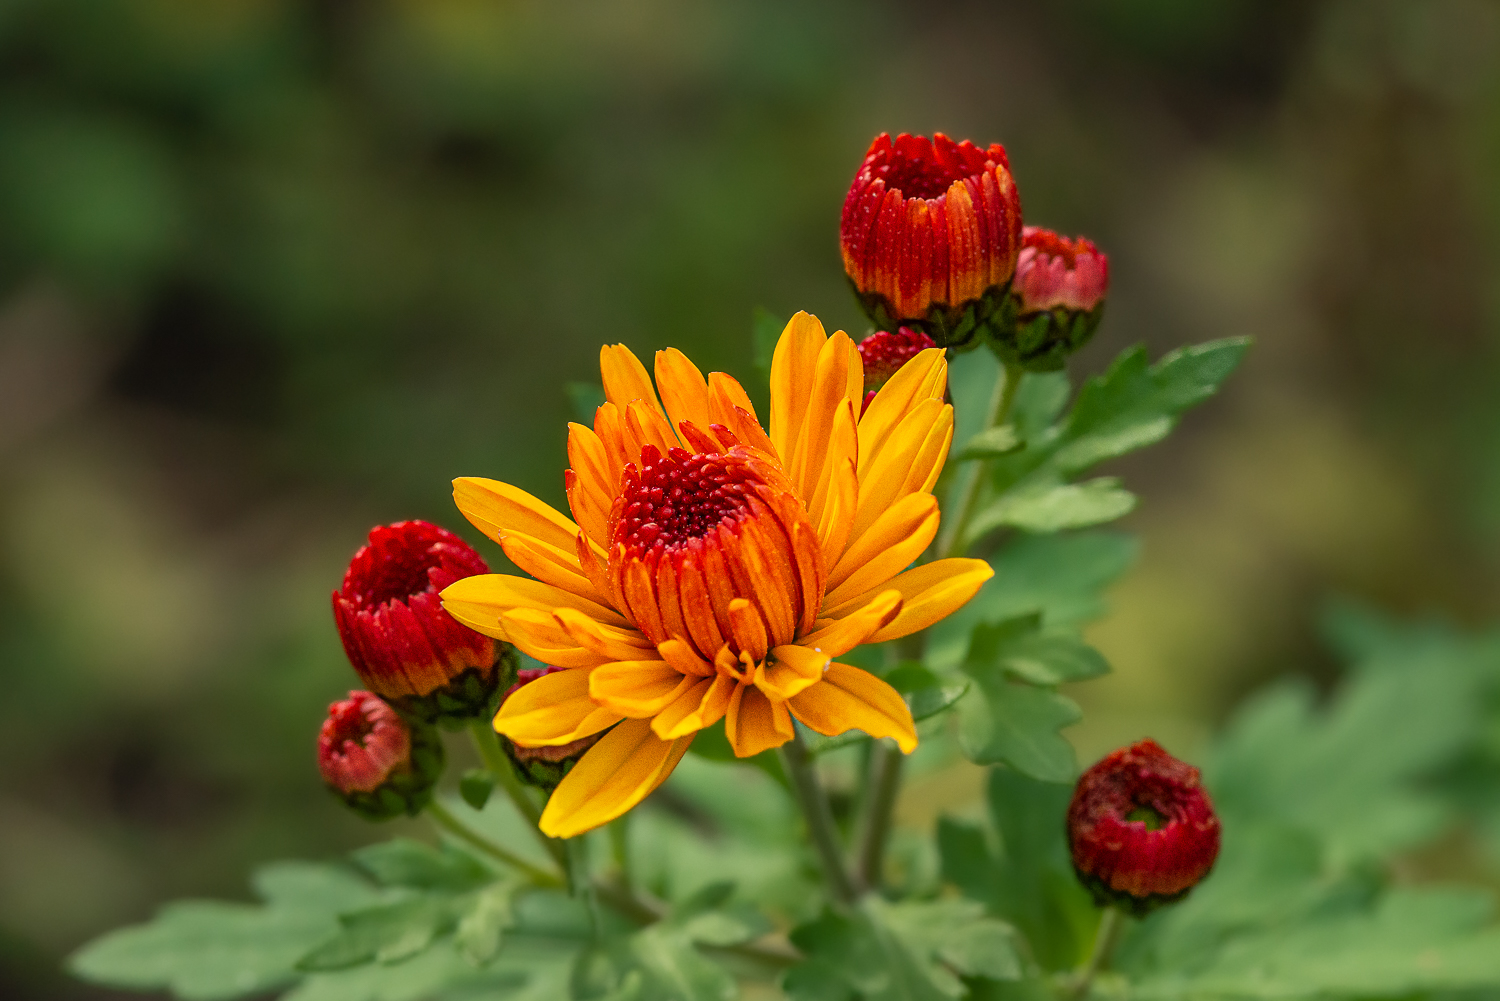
{"x": 1058, "y": 297}
{"x": 931, "y": 230}
{"x": 1141, "y": 828}
{"x": 883, "y": 353}
{"x": 406, "y": 648}
{"x": 375, "y": 761}
{"x": 543, "y": 767}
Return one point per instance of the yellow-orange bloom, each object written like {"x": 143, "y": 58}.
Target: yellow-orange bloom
{"x": 715, "y": 571}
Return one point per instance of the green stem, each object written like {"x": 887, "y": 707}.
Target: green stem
{"x": 883, "y": 782}
{"x": 579, "y": 882}
{"x": 487, "y": 742}
{"x": 447, "y": 821}
{"x": 619, "y": 844}
{"x": 951, "y": 541}
{"x": 819, "y": 816}
{"x": 1105, "y": 938}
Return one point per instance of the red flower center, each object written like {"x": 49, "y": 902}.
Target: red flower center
{"x": 362, "y": 741}
{"x": 347, "y": 723}
{"x": 924, "y": 168}
{"x": 676, "y": 498}
{"x": 1046, "y": 243}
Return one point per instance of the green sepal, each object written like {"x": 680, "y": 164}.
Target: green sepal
{"x": 472, "y": 694}
{"x": 1042, "y": 342}
{"x": 958, "y": 328}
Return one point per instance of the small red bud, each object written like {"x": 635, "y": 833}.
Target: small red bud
{"x": 883, "y": 353}
{"x": 543, "y": 767}
{"x": 375, "y": 761}
{"x": 1057, "y": 298}
{"x": 930, "y": 233}
{"x": 1141, "y": 828}
{"x": 404, "y": 646}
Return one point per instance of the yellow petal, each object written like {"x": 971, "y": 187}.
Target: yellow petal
{"x": 684, "y": 392}
{"x": 789, "y": 670}
{"x": 755, "y": 723}
{"x": 793, "y": 368}
{"x": 554, "y": 709}
{"x": 625, "y": 378}
{"x": 594, "y": 483}
{"x": 904, "y": 463}
{"x": 558, "y": 567}
{"x": 703, "y": 705}
{"x": 851, "y": 699}
{"x": 494, "y": 508}
{"x": 610, "y": 642}
{"x": 494, "y": 594}
{"x": 725, "y": 395}
{"x": 896, "y": 539}
{"x": 539, "y": 635}
{"x": 837, "y": 385}
{"x": 613, "y": 776}
{"x": 924, "y": 377}
{"x": 837, "y": 637}
{"x": 681, "y": 655}
{"x": 638, "y": 688}
{"x": 929, "y": 593}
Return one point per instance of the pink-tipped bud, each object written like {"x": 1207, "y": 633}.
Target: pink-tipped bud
{"x": 1057, "y": 297}
{"x": 404, "y": 646}
{"x": 1141, "y": 828}
{"x": 375, "y": 761}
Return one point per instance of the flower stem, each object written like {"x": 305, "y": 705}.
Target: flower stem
{"x": 883, "y": 781}
{"x": 951, "y": 541}
{"x": 1104, "y": 944}
{"x": 493, "y": 756}
{"x": 444, "y": 819}
{"x": 619, "y": 844}
{"x": 819, "y": 816}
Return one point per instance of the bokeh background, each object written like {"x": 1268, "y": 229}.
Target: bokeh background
{"x": 272, "y": 272}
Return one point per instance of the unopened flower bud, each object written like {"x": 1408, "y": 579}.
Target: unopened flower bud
{"x": 930, "y": 232}
{"x": 375, "y": 761}
{"x": 1058, "y": 299}
{"x": 1141, "y": 829}
{"x": 543, "y": 767}
{"x": 883, "y": 353}
{"x": 404, "y": 646}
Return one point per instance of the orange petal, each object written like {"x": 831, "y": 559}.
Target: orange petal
{"x": 929, "y": 593}
{"x": 755, "y": 723}
{"x": 703, "y": 705}
{"x": 613, "y": 776}
{"x": 625, "y": 378}
{"x": 681, "y": 655}
{"x": 595, "y": 483}
{"x": 554, "y": 709}
{"x": 684, "y": 392}
{"x": 793, "y": 368}
{"x": 487, "y": 595}
{"x": 837, "y": 637}
{"x": 539, "y": 635}
{"x": 851, "y": 699}
{"x": 610, "y": 642}
{"x": 494, "y": 508}
{"x": 725, "y": 394}
{"x": 749, "y": 630}
{"x": 637, "y": 688}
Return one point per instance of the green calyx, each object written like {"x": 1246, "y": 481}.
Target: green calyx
{"x": 408, "y": 789}
{"x": 544, "y": 767}
{"x": 958, "y": 328}
{"x": 469, "y": 695}
{"x": 1107, "y": 896}
{"x": 1041, "y": 342}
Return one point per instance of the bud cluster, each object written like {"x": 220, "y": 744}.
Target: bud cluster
{"x": 932, "y": 242}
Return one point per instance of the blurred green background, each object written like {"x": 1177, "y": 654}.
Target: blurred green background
{"x": 273, "y": 272}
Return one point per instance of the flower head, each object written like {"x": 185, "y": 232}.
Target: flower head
{"x": 1141, "y": 828}
{"x": 715, "y": 570}
{"x": 544, "y": 766}
{"x": 930, "y": 232}
{"x": 1058, "y": 297}
{"x": 883, "y": 353}
{"x": 400, "y": 641}
{"x": 374, "y": 760}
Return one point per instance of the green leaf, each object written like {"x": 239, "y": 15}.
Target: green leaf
{"x": 954, "y": 935}
{"x": 1004, "y": 721}
{"x": 1019, "y": 648}
{"x": 990, "y": 443}
{"x": 385, "y": 934}
{"x": 481, "y": 927}
{"x": 584, "y": 398}
{"x": 1042, "y": 505}
{"x": 410, "y": 863}
{"x": 207, "y": 950}
{"x": 1021, "y": 870}
{"x": 674, "y": 970}
{"x": 926, "y": 694}
{"x": 476, "y": 786}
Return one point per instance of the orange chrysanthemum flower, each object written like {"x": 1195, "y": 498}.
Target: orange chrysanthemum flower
{"x": 715, "y": 571}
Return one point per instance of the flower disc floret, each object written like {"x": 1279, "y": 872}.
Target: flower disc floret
{"x": 1141, "y": 828}
{"x": 715, "y": 569}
